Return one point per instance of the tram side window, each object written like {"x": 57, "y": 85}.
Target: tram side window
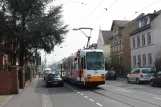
{"x": 75, "y": 63}
{"x": 81, "y": 62}
{"x": 84, "y": 62}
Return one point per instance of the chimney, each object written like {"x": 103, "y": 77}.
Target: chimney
{"x": 154, "y": 11}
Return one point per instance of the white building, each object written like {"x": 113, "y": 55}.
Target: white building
{"x": 145, "y": 40}
{"x": 103, "y": 41}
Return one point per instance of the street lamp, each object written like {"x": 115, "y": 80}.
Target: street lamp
{"x": 88, "y": 37}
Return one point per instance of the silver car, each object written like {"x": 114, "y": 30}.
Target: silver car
{"x": 139, "y": 75}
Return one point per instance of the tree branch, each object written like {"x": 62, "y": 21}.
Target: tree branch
{"x": 26, "y": 59}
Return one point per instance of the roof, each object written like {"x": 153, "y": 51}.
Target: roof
{"x": 119, "y": 23}
{"x": 106, "y": 35}
{"x": 147, "y": 26}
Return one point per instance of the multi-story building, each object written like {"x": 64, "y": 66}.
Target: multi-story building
{"x": 145, "y": 40}
{"x": 131, "y": 26}
{"x": 117, "y": 43}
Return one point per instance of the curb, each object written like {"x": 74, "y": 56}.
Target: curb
{"x": 12, "y": 96}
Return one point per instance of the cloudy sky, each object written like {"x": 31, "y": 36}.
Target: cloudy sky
{"x": 96, "y": 14}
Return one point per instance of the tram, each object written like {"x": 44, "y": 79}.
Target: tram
{"x": 85, "y": 67}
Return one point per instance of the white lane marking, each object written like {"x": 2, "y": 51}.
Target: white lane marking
{"x": 81, "y": 94}
{"x": 99, "y": 104}
{"x": 103, "y": 85}
{"x": 91, "y": 100}
{"x": 75, "y": 90}
{"x": 85, "y": 96}
{"x": 124, "y": 90}
{"x": 78, "y": 92}
{"x": 157, "y": 98}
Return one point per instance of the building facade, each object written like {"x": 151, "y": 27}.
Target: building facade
{"x": 103, "y": 41}
{"x": 117, "y": 44}
{"x": 131, "y": 26}
{"x": 145, "y": 40}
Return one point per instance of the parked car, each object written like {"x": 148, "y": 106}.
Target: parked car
{"x": 46, "y": 72}
{"x": 156, "y": 80}
{"x": 54, "y": 79}
{"x": 139, "y": 75}
{"x": 111, "y": 75}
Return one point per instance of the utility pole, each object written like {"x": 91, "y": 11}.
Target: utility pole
{"x": 88, "y": 37}
{"x": 45, "y": 59}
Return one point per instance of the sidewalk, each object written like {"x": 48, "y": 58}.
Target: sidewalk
{"x": 5, "y": 98}
{"x": 35, "y": 95}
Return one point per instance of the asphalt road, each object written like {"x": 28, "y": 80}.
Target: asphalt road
{"x": 113, "y": 94}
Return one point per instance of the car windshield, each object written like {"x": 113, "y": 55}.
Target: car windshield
{"x": 159, "y": 73}
{"x": 95, "y": 61}
{"x": 148, "y": 70}
{"x": 56, "y": 76}
{"x": 47, "y": 71}
{"x": 51, "y": 76}
{"x": 112, "y": 72}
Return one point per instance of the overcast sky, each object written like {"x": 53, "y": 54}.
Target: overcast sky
{"x": 83, "y": 13}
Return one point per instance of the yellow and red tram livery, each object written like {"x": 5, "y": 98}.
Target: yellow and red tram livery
{"x": 86, "y": 67}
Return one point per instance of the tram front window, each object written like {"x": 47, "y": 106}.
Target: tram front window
{"x": 95, "y": 61}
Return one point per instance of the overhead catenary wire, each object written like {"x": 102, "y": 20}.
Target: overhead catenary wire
{"x": 144, "y": 8}
{"x": 91, "y": 13}
{"x": 103, "y": 12}
{"x": 141, "y": 10}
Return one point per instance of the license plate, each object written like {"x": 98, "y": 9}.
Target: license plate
{"x": 96, "y": 72}
{"x": 55, "y": 83}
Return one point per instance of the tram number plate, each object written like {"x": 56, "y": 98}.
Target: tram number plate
{"x": 96, "y": 72}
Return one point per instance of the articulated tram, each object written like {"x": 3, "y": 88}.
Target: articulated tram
{"x": 85, "y": 67}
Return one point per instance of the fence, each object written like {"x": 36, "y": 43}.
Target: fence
{"x": 9, "y": 81}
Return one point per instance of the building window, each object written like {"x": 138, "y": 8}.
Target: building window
{"x": 149, "y": 38}
{"x": 150, "y": 59}
{"x": 121, "y": 47}
{"x": 143, "y": 39}
{"x": 133, "y": 42}
{"x": 147, "y": 20}
{"x": 118, "y": 47}
{"x": 134, "y": 60}
{"x": 138, "y": 41}
{"x": 144, "y": 60}
{"x": 139, "y": 24}
{"x": 121, "y": 59}
{"x": 139, "y": 60}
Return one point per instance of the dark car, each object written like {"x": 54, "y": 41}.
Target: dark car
{"x": 156, "y": 80}
{"x": 54, "y": 79}
{"x": 111, "y": 75}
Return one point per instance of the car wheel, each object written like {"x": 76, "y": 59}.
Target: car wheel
{"x": 152, "y": 84}
{"x": 115, "y": 78}
{"x": 62, "y": 85}
{"x": 46, "y": 85}
{"x": 128, "y": 80}
{"x": 137, "y": 81}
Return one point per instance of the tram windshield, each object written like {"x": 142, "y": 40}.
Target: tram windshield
{"x": 95, "y": 61}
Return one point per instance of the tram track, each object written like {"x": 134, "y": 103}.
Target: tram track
{"x": 123, "y": 96}
{"x": 114, "y": 98}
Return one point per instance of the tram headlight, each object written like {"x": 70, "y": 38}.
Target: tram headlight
{"x": 103, "y": 76}
{"x": 89, "y": 76}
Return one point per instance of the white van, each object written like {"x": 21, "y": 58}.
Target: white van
{"x": 46, "y": 72}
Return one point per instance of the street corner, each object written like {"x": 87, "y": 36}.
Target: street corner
{"x": 5, "y": 98}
